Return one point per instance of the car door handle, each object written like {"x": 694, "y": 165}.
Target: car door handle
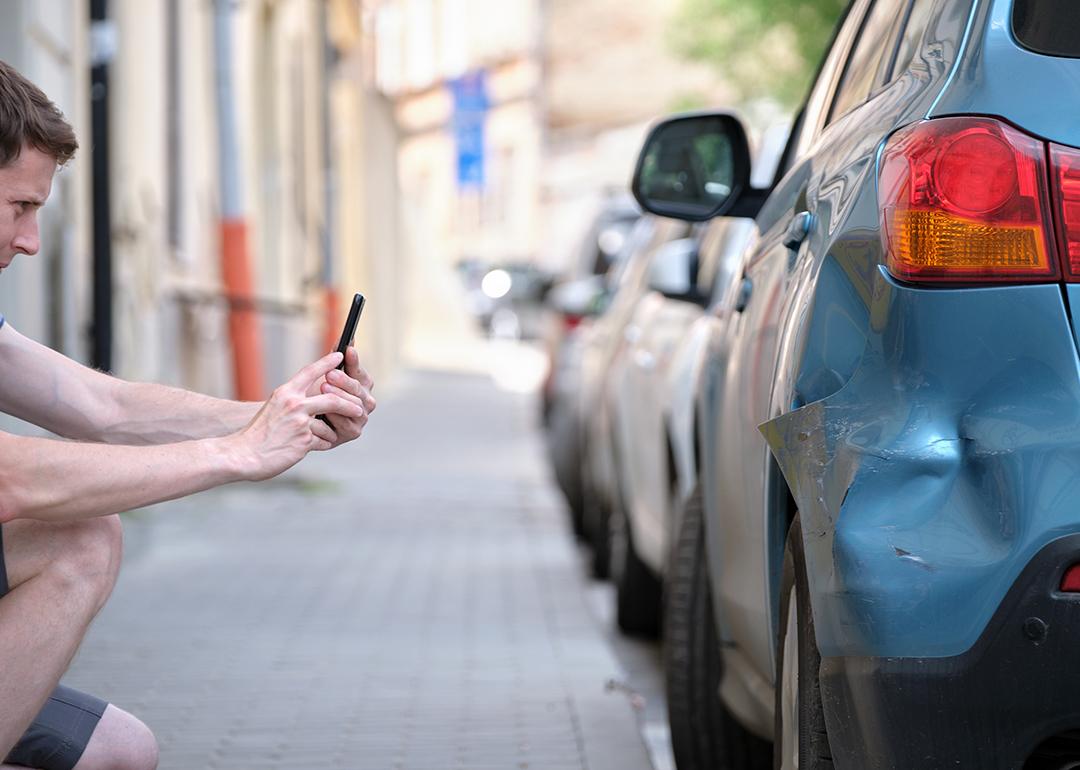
{"x": 798, "y": 229}
{"x": 746, "y": 288}
{"x": 644, "y": 359}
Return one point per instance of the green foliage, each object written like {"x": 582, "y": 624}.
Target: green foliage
{"x": 763, "y": 48}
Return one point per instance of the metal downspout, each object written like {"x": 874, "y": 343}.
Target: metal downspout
{"x": 236, "y": 269}
{"x": 102, "y": 49}
{"x": 332, "y": 316}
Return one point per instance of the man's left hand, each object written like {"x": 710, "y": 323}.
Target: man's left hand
{"x": 353, "y": 384}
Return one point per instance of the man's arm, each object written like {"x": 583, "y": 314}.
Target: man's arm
{"x": 43, "y": 387}
{"x": 66, "y": 480}
{"x": 149, "y": 413}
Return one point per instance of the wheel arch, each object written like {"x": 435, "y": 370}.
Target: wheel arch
{"x": 781, "y": 513}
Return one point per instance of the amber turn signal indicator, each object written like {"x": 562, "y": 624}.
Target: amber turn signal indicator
{"x": 965, "y": 200}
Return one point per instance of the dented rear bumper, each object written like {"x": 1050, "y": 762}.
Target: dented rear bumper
{"x": 945, "y": 468}
{"x": 993, "y": 707}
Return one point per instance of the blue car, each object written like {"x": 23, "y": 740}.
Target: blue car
{"x": 881, "y": 565}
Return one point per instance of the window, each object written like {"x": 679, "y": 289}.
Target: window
{"x": 1048, "y": 26}
{"x": 810, "y": 120}
{"x": 875, "y": 43}
{"x": 918, "y": 18}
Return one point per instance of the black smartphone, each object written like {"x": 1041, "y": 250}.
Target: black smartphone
{"x": 349, "y": 331}
{"x": 347, "y": 334}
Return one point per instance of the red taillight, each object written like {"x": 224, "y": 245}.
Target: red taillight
{"x": 1070, "y": 583}
{"x": 965, "y": 200}
{"x": 976, "y": 173}
{"x": 1066, "y": 173}
{"x": 571, "y": 321}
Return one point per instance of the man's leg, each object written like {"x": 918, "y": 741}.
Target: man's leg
{"x": 59, "y": 577}
{"x": 120, "y": 742}
{"x": 76, "y": 731}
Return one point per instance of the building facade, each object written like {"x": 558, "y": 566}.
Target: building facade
{"x": 464, "y": 77}
{"x": 313, "y": 158}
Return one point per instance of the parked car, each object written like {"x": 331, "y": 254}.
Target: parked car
{"x": 580, "y": 296}
{"x": 506, "y": 299}
{"x": 602, "y": 247}
{"x": 651, "y": 388}
{"x": 880, "y": 568}
{"x": 601, "y": 341}
{"x": 581, "y": 300}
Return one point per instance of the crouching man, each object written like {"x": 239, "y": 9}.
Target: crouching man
{"x": 131, "y": 444}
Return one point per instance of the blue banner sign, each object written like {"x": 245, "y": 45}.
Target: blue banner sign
{"x": 470, "y": 111}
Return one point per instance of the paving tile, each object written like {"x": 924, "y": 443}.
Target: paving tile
{"x": 412, "y": 600}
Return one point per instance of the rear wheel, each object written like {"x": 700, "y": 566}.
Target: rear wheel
{"x": 802, "y": 742}
{"x": 596, "y": 521}
{"x": 600, "y": 540}
{"x": 565, "y": 456}
{"x": 637, "y": 590}
{"x": 704, "y": 735}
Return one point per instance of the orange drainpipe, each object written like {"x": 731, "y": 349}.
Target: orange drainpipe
{"x": 236, "y": 273}
{"x": 243, "y": 319}
{"x": 332, "y": 319}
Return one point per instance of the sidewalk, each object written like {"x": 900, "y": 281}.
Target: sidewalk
{"x": 410, "y": 601}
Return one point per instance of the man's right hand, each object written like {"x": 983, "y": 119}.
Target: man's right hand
{"x": 285, "y": 429}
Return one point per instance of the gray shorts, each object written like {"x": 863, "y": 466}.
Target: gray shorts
{"x": 58, "y": 735}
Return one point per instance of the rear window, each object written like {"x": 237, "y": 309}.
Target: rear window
{"x": 1048, "y": 26}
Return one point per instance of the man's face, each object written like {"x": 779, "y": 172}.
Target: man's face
{"x": 24, "y": 186}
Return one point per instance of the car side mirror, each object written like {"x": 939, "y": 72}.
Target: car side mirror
{"x": 673, "y": 270}
{"x": 693, "y": 167}
{"x": 582, "y": 298}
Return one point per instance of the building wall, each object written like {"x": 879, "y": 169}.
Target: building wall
{"x": 44, "y": 40}
{"x": 609, "y": 72}
{"x": 419, "y": 49}
{"x": 46, "y": 296}
{"x": 170, "y": 313}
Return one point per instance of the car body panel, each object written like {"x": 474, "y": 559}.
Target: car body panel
{"x": 733, "y": 487}
{"x": 836, "y": 182}
{"x": 929, "y": 437}
{"x": 639, "y": 402}
{"x": 653, "y": 382}
{"x": 924, "y": 491}
{"x": 987, "y": 82}
{"x": 602, "y": 246}
{"x": 971, "y": 536}
{"x": 725, "y": 241}
{"x": 602, "y": 343}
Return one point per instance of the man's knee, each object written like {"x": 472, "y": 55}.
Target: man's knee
{"x": 89, "y": 556}
{"x": 120, "y": 742}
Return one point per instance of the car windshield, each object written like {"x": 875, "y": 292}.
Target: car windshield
{"x": 1048, "y": 26}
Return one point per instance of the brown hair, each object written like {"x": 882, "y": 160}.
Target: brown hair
{"x": 28, "y": 117}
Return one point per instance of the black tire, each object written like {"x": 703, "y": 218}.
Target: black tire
{"x": 704, "y": 735}
{"x": 637, "y": 589}
{"x": 597, "y": 520}
{"x": 813, "y": 739}
{"x": 568, "y": 475}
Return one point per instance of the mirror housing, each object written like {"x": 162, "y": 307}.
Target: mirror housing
{"x": 693, "y": 166}
{"x": 673, "y": 270}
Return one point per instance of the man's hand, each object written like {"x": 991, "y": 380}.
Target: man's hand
{"x": 354, "y": 385}
{"x": 285, "y": 429}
